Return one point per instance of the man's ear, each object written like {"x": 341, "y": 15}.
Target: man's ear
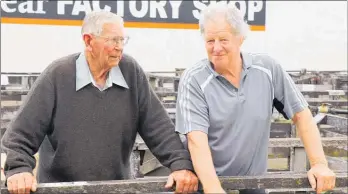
{"x": 241, "y": 40}
{"x": 87, "y": 39}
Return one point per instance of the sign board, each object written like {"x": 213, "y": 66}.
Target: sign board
{"x": 178, "y": 14}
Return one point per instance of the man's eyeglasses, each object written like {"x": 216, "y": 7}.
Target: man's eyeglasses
{"x": 116, "y": 40}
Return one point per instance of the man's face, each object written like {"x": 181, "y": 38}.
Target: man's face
{"x": 107, "y": 48}
{"x": 221, "y": 44}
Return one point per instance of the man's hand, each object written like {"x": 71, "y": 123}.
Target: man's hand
{"x": 321, "y": 178}
{"x": 21, "y": 183}
{"x": 185, "y": 181}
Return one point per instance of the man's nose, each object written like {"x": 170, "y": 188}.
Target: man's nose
{"x": 217, "y": 46}
{"x": 118, "y": 47}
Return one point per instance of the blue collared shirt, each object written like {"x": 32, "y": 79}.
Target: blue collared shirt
{"x": 84, "y": 75}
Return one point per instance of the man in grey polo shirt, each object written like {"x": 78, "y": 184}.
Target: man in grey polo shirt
{"x": 224, "y": 106}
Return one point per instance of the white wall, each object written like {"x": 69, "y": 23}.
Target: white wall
{"x": 309, "y": 34}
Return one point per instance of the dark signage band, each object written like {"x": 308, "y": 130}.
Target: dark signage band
{"x": 146, "y": 13}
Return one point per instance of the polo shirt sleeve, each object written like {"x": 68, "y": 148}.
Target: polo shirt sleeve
{"x": 191, "y": 107}
{"x": 286, "y": 91}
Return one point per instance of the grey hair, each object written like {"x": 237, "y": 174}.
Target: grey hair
{"x": 94, "y": 21}
{"x": 231, "y": 13}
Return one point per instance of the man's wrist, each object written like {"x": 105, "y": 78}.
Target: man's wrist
{"x": 320, "y": 162}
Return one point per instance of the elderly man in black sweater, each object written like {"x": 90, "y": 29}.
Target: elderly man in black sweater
{"x": 84, "y": 112}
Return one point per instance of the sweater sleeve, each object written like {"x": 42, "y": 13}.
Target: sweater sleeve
{"x": 27, "y": 130}
{"x": 157, "y": 129}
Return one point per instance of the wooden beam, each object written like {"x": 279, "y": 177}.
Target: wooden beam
{"x": 14, "y": 92}
{"x": 156, "y": 184}
{"x": 339, "y": 142}
{"x": 340, "y": 124}
{"x": 310, "y": 93}
{"x": 319, "y": 92}
{"x": 296, "y": 142}
{"x": 318, "y": 102}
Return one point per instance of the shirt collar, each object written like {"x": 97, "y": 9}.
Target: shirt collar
{"x": 83, "y": 74}
{"x": 247, "y": 60}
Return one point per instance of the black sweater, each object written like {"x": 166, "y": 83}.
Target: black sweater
{"x": 88, "y": 135}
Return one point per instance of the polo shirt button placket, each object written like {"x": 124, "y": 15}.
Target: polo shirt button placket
{"x": 241, "y": 96}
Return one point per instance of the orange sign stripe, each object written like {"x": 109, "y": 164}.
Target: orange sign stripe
{"x": 5, "y": 20}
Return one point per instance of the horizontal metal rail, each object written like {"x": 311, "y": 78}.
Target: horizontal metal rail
{"x": 156, "y": 184}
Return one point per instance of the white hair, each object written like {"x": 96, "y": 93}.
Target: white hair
{"x": 231, "y": 13}
{"x": 94, "y": 21}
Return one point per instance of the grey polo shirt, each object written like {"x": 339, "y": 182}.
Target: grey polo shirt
{"x": 237, "y": 121}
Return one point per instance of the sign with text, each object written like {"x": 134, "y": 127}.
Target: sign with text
{"x": 142, "y": 14}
